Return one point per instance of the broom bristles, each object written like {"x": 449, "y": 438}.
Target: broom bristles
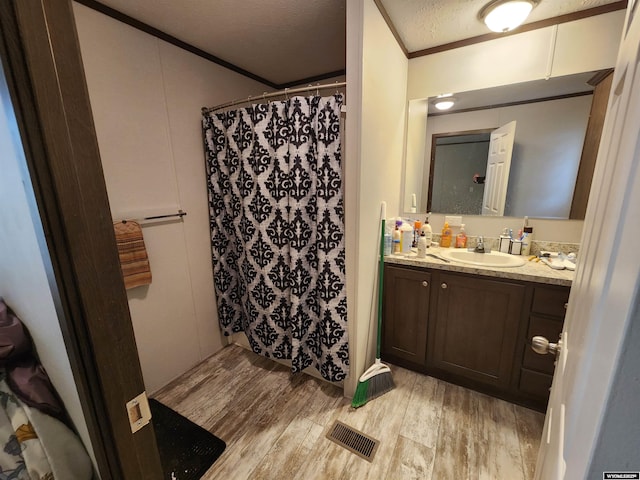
{"x": 372, "y": 388}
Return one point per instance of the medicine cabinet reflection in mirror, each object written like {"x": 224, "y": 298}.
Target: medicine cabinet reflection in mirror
{"x": 552, "y": 122}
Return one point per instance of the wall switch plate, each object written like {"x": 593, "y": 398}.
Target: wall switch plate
{"x": 453, "y": 220}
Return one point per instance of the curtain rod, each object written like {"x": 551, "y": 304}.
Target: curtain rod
{"x": 279, "y": 93}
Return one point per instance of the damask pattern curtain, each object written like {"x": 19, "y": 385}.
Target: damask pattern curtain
{"x": 277, "y": 229}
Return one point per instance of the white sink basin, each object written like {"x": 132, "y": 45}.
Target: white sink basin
{"x": 491, "y": 259}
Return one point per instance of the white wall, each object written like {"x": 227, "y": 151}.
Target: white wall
{"x": 579, "y": 46}
{"x": 416, "y": 155}
{"x": 548, "y": 146}
{"x": 146, "y": 97}
{"x": 573, "y": 47}
{"x": 25, "y": 266}
{"x": 376, "y": 93}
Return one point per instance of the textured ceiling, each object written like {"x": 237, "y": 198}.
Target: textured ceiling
{"x": 288, "y": 40}
{"x": 423, "y": 24}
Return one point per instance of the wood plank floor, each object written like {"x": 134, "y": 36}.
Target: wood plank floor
{"x": 275, "y": 423}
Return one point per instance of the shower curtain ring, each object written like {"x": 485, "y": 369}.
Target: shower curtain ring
{"x": 317, "y": 89}
{"x": 286, "y": 95}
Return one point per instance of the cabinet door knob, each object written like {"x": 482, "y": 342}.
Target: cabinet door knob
{"x": 444, "y": 285}
{"x": 425, "y": 283}
{"x": 566, "y": 305}
{"x": 541, "y": 345}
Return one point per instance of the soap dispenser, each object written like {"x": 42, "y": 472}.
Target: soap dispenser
{"x": 461, "y": 238}
{"x": 445, "y": 236}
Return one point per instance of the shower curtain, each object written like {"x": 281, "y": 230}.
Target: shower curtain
{"x": 277, "y": 229}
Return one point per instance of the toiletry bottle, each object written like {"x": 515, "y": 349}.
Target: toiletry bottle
{"x": 461, "y": 238}
{"x": 396, "y": 239}
{"x": 505, "y": 241}
{"x": 417, "y": 229}
{"x": 422, "y": 245}
{"x": 406, "y": 237}
{"x": 428, "y": 233}
{"x": 445, "y": 236}
{"x": 388, "y": 244}
{"x": 527, "y": 237}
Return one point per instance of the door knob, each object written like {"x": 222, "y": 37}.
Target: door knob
{"x": 444, "y": 285}
{"x": 542, "y": 346}
{"x": 425, "y": 283}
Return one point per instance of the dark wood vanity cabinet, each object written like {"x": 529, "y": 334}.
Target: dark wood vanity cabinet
{"x": 474, "y": 333}
{"x": 472, "y": 330}
{"x": 546, "y": 317}
{"x": 406, "y": 317}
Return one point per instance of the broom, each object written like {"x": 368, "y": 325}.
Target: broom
{"x": 377, "y": 379}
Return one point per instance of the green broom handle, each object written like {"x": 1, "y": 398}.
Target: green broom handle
{"x": 380, "y": 282}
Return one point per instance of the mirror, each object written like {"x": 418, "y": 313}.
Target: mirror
{"x": 446, "y": 151}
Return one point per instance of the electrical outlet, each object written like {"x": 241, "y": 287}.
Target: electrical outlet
{"x": 453, "y": 220}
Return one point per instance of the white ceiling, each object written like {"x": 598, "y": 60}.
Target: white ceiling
{"x": 288, "y": 40}
{"x": 280, "y": 40}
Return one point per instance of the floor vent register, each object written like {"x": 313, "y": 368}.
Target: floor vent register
{"x": 353, "y": 440}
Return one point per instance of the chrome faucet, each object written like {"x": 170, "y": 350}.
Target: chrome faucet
{"x": 479, "y": 245}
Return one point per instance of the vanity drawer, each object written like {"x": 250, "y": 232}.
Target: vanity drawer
{"x": 549, "y": 328}
{"x": 535, "y": 383}
{"x": 550, "y": 301}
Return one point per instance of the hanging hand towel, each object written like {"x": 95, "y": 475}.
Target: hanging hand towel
{"x": 133, "y": 254}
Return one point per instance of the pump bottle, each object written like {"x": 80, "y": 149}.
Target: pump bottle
{"x": 445, "y": 236}
{"x": 427, "y": 231}
{"x": 461, "y": 238}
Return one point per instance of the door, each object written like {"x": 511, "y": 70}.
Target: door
{"x": 41, "y": 60}
{"x": 604, "y": 291}
{"x": 474, "y": 333}
{"x": 406, "y": 316}
{"x": 498, "y": 167}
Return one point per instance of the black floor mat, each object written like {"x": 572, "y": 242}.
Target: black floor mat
{"x": 186, "y": 449}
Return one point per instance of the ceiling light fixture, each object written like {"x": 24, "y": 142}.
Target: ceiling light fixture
{"x": 505, "y": 15}
{"x": 444, "y": 102}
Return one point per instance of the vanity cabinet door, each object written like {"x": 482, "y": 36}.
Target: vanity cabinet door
{"x": 546, "y": 318}
{"x": 475, "y": 330}
{"x": 406, "y": 316}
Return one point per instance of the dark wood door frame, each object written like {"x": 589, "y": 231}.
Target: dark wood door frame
{"x": 41, "y": 58}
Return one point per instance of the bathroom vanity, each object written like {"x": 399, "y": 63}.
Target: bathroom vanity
{"x": 473, "y": 325}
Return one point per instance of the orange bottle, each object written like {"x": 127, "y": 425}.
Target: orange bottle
{"x": 445, "y": 236}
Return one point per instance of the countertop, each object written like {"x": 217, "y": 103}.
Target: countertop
{"x": 530, "y": 271}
